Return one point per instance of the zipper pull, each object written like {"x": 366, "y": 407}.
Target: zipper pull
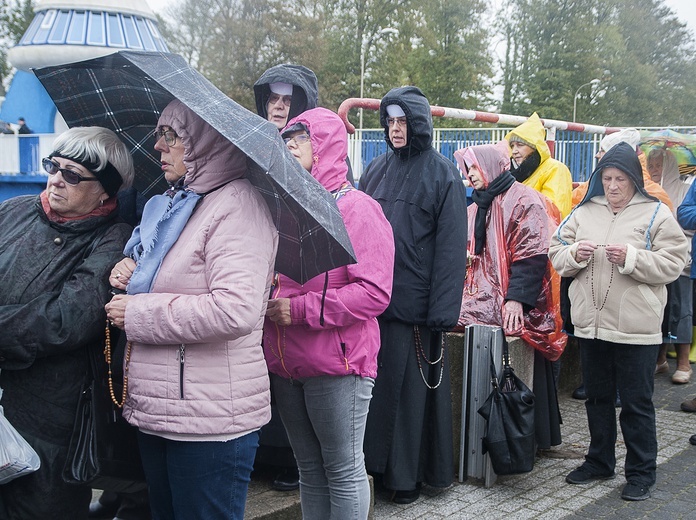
{"x": 181, "y": 353}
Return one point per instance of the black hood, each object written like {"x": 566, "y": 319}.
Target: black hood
{"x": 305, "y": 89}
{"x": 419, "y": 119}
{"x": 622, "y": 156}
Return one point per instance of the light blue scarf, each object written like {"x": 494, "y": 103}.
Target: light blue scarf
{"x": 164, "y": 217}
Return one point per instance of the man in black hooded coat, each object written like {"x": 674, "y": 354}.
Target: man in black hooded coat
{"x": 409, "y": 426}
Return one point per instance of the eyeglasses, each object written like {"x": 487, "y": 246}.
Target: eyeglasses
{"x": 274, "y": 98}
{"x": 170, "y": 136}
{"x": 69, "y": 176}
{"x": 398, "y": 121}
{"x": 297, "y": 140}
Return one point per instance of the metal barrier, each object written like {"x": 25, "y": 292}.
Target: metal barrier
{"x": 575, "y": 149}
{"x": 20, "y": 163}
{"x": 22, "y": 154}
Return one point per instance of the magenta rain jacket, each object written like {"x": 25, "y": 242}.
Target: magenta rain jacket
{"x": 348, "y": 340}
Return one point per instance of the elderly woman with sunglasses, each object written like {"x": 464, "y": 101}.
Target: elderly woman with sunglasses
{"x": 56, "y": 252}
{"x": 198, "y": 282}
{"x": 321, "y": 338}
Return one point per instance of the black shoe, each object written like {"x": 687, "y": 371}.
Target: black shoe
{"x": 287, "y": 480}
{"x": 692, "y": 440}
{"x": 99, "y": 510}
{"x": 579, "y": 393}
{"x": 634, "y": 492}
{"x": 406, "y": 497}
{"x": 582, "y": 475}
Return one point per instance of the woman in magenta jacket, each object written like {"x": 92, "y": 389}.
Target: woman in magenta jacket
{"x": 321, "y": 339}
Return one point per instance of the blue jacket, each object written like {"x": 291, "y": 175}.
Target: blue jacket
{"x": 686, "y": 215}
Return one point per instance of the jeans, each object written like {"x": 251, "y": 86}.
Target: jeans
{"x": 607, "y": 367}
{"x": 197, "y": 480}
{"x": 325, "y": 419}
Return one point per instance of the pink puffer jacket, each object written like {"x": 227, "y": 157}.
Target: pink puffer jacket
{"x": 347, "y": 342}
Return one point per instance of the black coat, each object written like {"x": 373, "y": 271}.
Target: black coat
{"x": 408, "y": 437}
{"x": 53, "y": 288}
{"x": 422, "y": 195}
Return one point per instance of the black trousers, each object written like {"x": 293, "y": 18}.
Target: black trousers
{"x": 607, "y": 367}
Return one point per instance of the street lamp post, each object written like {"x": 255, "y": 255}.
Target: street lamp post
{"x": 363, "y": 50}
{"x": 575, "y": 99}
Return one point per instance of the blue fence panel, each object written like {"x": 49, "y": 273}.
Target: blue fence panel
{"x": 453, "y": 140}
{"x": 373, "y": 145}
{"x": 577, "y": 150}
{"x": 29, "y": 154}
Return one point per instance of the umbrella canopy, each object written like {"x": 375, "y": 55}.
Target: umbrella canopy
{"x": 127, "y": 91}
{"x": 683, "y": 146}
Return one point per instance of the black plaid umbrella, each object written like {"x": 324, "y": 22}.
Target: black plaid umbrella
{"x": 127, "y": 91}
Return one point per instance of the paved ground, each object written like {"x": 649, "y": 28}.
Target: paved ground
{"x": 543, "y": 493}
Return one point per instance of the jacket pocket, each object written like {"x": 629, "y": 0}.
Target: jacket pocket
{"x": 641, "y": 310}
{"x": 580, "y": 313}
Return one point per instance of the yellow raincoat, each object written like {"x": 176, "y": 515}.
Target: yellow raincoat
{"x": 552, "y": 178}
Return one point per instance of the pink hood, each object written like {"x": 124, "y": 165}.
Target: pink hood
{"x": 329, "y": 140}
{"x": 210, "y": 159}
{"x": 491, "y": 160}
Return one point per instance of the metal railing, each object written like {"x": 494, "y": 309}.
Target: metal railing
{"x": 575, "y": 149}
{"x": 22, "y": 154}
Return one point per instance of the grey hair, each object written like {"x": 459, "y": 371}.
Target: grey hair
{"x": 98, "y": 145}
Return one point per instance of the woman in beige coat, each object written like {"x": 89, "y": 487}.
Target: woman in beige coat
{"x": 622, "y": 246}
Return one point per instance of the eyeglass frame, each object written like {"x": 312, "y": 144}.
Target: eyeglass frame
{"x": 68, "y": 175}
{"x": 305, "y": 138}
{"x": 159, "y": 134}
{"x": 279, "y": 97}
{"x": 397, "y": 121}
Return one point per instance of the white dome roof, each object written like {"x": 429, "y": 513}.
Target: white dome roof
{"x": 137, "y": 7}
{"x": 64, "y": 31}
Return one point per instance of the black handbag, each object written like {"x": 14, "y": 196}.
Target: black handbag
{"x": 509, "y": 412}
{"x": 103, "y": 451}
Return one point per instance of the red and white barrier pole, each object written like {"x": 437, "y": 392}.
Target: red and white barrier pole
{"x": 473, "y": 115}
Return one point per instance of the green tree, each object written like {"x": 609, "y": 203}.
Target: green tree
{"x": 650, "y": 57}
{"x": 551, "y": 51}
{"x": 451, "y": 61}
{"x": 638, "y": 49}
{"x": 232, "y": 42}
{"x": 15, "y": 17}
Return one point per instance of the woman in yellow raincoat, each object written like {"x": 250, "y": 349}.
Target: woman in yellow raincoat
{"x": 534, "y": 167}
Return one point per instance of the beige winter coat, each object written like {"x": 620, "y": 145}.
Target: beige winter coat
{"x": 620, "y": 304}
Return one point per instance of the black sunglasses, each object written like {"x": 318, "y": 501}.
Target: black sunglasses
{"x": 69, "y": 176}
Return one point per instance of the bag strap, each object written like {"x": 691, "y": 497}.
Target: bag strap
{"x": 494, "y": 375}
{"x": 506, "y": 353}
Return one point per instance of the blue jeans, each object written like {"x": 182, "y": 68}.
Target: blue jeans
{"x": 197, "y": 480}
{"x": 607, "y": 367}
{"x": 325, "y": 419}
